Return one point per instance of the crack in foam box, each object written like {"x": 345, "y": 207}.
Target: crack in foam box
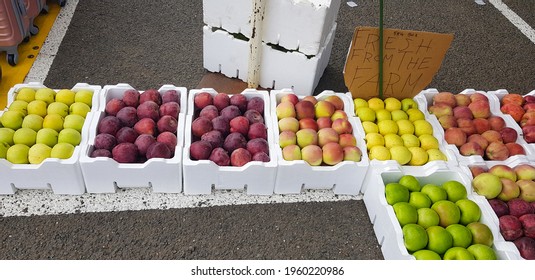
{"x": 345, "y": 177}
{"x": 385, "y": 224}
{"x": 105, "y": 175}
{"x": 254, "y": 178}
{"x": 425, "y": 99}
{"x": 62, "y": 176}
{"x": 302, "y": 25}
{"x": 279, "y": 69}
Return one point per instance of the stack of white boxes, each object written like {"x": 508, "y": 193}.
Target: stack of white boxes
{"x": 297, "y": 38}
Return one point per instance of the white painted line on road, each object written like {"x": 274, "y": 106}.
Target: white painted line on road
{"x": 523, "y": 26}
{"x": 44, "y": 202}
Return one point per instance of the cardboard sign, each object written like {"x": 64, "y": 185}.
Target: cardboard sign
{"x": 410, "y": 61}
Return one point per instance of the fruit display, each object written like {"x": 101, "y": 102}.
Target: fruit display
{"x": 473, "y": 128}
{"x": 398, "y": 130}
{"x": 510, "y": 191}
{"x": 138, "y": 125}
{"x": 317, "y": 131}
{"x": 43, "y": 123}
{"x": 522, "y": 109}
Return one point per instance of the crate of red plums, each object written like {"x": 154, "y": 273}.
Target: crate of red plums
{"x": 136, "y": 140}
{"x": 228, "y": 142}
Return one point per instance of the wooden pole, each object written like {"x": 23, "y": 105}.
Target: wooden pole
{"x": 255, "y": 43}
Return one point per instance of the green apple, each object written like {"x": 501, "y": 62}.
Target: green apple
{"x": 38, "y": 153}
{"x": 410, "y": 182}
{"x": 395, "y": 192}
{"x": 46, "y": 94}
{"x": 426, "y": 255}
{"x": 3, "y": 149}
{"x": 25, "y": 136}
{"x": 65, "y": 96}
{"x": 62, "y": 151}
{"x": 70, "y": 135}
{"x": 434, "y": 192}
{"x": 462, "y": 236}
{"x": 482, "y": 252}
{"x": 47, "y": 136}
{"x": 33, "y": 121}
{"x": 470, "y": 211}
{"x": 414, "y": 237}
{"x": 6, "y": 135}
{"x": 447, "y": 211}
{"x": 84, "y": 96}
{"x": 79, "y": 108}
{"x": 38, "y": 107}
{"x": 26, "y": 94}
{"x": 455, "y": 190}
{"x": 419, "y": 200}
{"x": 12, "y": 119}
{"x": 408, "y": 103}
{"x": 58, "y": 108}
{"x": 19, "y": 105}
{"x": 427, "y": 217}
{"x": 481, "y": 233}
{"x": 53, "y": 121}
{"x": 458, "y": 253}
{"x": 439, "y": 239}
{"x": 18, "y": 154}
{"x": 405, "y": 213}
{"x": 74, "y": 121}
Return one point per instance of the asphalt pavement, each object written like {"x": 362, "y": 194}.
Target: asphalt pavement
{"x": 151, "y": 43}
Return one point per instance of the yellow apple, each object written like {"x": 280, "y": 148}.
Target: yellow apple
{"x": 45, "y": 94}
{"x": 392, "y": 104}
{"x": 79, "y": 108}
{"x": 376, "y": 103}
{"x": 38, "y": 153}
{"x": 422, "y": 127}
{"x": 428, "y": 141}
{"x": 18, "y": 154}
{"x": 69, "y": 135}
{"x": 37, "y": 107}
{"x": 84, "y": 96}
{"x": 26, "y": 94}
{"x": 379, "y": 153}
{"x": 24, "y": 136}
{"x": 74, "y": 121}
{"x": 410, "y": 140}
{"x": 419, "y": 156}
{"x": 12, "y": 119}
{"x": 53, "y": 121}
{"x": 65, "y": 96}
{"x": 360, "y": 102}
{"x": 58, "y": 108}
{"x": 33, "y": 121}
{"x": 47, "y": 136}
{"x": 405, "y": 127}
{"x": 370, "y": 127}
{"x": 374, "y": 139}
{"x": 19, "y": 105}
{"x": 62, "y": 151}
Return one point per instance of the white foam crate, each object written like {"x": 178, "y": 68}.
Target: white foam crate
{"x": 278, "y": 69}
{"x": 292, "y": 24}
{"x": 105, "y": 175}
{"x": 254, "y": 178}
{"x": 424, "y": 99}
{"x": 61, "y": 176}
{"x": 385, "y": 224}
{"x": 345, "y": 177}
{"x": 11, "y": 95}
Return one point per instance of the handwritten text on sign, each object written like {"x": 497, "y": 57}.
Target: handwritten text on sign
{"x": 410, "y": 61}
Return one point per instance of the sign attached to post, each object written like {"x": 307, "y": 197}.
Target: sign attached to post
{"x": 410, "y": 61}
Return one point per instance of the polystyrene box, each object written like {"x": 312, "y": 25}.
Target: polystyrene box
{"x": 279, "y": 69}
{"x": 425, "y": 99}
{"x": 302, "y": 25}
{"x": 62, "y": 176}
{"x": 345, "y": 177}
{"x": 385, "y": 224}
{"x": 255, "y": 177}
{"x": 105, "y": 175}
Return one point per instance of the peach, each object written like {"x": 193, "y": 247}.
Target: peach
{"x": 304, "y": 109}
{"x": 352, "y": 153}
{"x": 496, "y": 122}
{"x": 508, "y": 134}
{"x": 477, "y": 138}
{"x": 200, "y": 150}
{"x": 240, "y": 101}
{"x": 441, "y": 109}
{"x": 308, "y": 123}
{"x": 221, "y": 101}
{"x": 151, "y": 94}
{"x": 447, "y": 121}
{"x": 255, "y": 103}
{"x": 477, "y": 96}
{"x": 447, "y": 98}
{"x": 342, "y": 126}
{"x": 240, "y": 124}
{"x": 148, "y": 126}
{"x": 347, "y": 139}
{"x": 336, "y": 101}
{"x": 515, "y": 149}
{"x": 529, "y": 107}
{"x": 201, "y": 100}
{"x": 455, "y": 136}
{"x": 462, "y": 112}
{"x": 324, "y": 122}
{"x": 497, "y": 151}
{"x": 327, "y": 135}
{"x": 287, "y": 138}
{"x": 481, "y": 125}
{"x": 492, "y": 136}
{"x": 514, "y": 110}
{"x": 291, "y": 97}
{"x": 288, "y": 123}
{"x": 324, "y": 109}
{"x": 220, "y": 156}
{"x": 467, "y": 126}
{"x": 476, "y": 170}
{"x": 510, "y": 189}
{"x": 240, "y": 157}
{"x": 305, "y": 137}
{"x": 471, "y": 148}
{"x": 311, "y": 99}
{"x": 312, "y": 154}
{"x": 333, "y": 153}
{"x": 199, "y": 126}
{"x": 291, "y": 152}
{"x": 257, "y": 145}
{"x": 285, "y": 109}
{"x": 513, "y": 98}
{"x": 257, "y": 130}
{"x": 339, "y": 114}
{"x": 480, "y": 109}
{"x": 462, "y": 99}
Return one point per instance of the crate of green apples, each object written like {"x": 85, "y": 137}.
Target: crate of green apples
{"x": 320, "y": 143}
{"x": 41, "y": 135}
{"x": 136, "y": 140}
{"x": 431, "y": 214}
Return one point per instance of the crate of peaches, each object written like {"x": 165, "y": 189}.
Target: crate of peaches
{"x": 228, "y": 143}
{"x": 136, "y": 140}
{"x": 42, "y": 133}
{"x": 471, "y": 127}
{"x": 320, "y": 143}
